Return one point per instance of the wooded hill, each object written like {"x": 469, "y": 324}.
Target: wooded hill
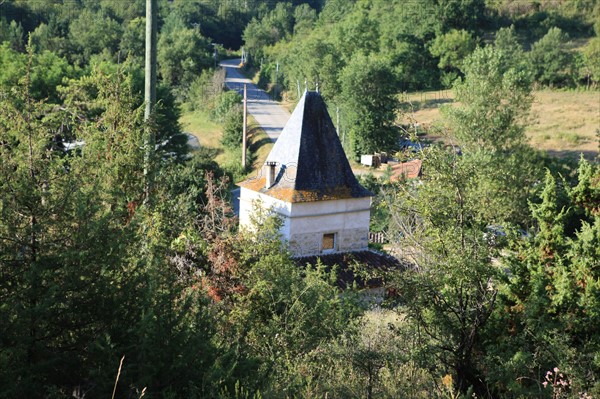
{"x": 107, "y": 289}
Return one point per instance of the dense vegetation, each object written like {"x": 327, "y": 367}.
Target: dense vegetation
{"x": 102, "y": 280}
{"x": 361, "y": 52}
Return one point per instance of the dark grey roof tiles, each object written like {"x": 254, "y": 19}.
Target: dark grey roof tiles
{"x": 310, "y": 162}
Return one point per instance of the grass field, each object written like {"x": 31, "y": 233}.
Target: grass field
{"x": 199, "y": 124}
{"x": 209, "y": 135}
{"x": 564, "y": 123}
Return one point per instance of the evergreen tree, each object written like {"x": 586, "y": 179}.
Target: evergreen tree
{"x": 551, "y": 295}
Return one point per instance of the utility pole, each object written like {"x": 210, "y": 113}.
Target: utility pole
{"x": 337, "y": 117}
{"x": 215, "y": 53}
{"x": 149, "y": 92}
{"x": 276, "y": 80}
{"x": 245, "y": 126}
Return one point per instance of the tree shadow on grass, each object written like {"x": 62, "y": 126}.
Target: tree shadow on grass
{"x": 573, "y": 154}
{"x": 256, "y": 145}
{"x": 417, "y": 105}
{"x": 255, "y": 140}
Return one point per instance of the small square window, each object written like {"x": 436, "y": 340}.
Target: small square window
{"x": 328, "y": 242}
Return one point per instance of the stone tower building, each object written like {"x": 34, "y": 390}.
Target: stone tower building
{"x": 308, "y": 181}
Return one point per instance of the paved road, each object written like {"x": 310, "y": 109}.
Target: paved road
{"x": 271, "y": 116}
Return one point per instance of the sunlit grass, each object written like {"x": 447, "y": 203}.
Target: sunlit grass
{"x": 561, "y": 122}
{"x": 565, "y": 120}
{"x": 209, "y": 134}
{"x": 199, "y": 124}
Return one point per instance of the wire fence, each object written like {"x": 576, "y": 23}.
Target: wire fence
{"x": 422, "y": 96}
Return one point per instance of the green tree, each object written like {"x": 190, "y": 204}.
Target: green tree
{"x": 13, "y": 66}
{"x": 314, "y": 59}
{"x": 89, "y": 274}
{"x": 12, "y": 33}
{"x": 182, "y": 52}
{"x": 452, "y": 48}
{"x": 274, "y": 26}
{"x": 495, "y": 98}
{"x": 232, "y": 129}
{"x": 47, "y": 72}
{"x": 61, "y": 270}
{"x": 551, "y": 62}
{"x": 134, "y": 38}
{"x": 460, "y": 14}
{"x": 450, "y": 289}
{"x": 551, "y": 297}
{"x": 357, "y": 33}
{"x": 283, "y": 315}
{"x": 81, "y": 96}
{"x": 589, "y": 70}
{"x": 488, "y": 125}
{"x": 49, "y": 37}
{"x": 305, "y": 18}
{"x": 508, "y": 43}
{"x": 370, "y": 105}
{"x": 225, "y": 103}
{"x": 93, "y": 32}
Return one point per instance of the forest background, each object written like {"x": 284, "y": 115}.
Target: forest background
{"x": 103, "y": 280}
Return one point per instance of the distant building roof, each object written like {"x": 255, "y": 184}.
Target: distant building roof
{"x": 346, "y": 261}
{"x": 407, "y": 170}
{"x": 310, "y": 163}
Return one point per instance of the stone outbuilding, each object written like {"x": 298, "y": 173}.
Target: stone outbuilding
{"x": 307, "y": 180}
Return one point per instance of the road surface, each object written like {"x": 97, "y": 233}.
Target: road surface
{"x": 271, "y": 116}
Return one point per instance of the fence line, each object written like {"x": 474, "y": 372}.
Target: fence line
{"x": 377, "y": 237}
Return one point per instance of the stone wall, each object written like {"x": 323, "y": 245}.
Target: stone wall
{"x": 305, "y": 223}
{"x": 305, "y": 244}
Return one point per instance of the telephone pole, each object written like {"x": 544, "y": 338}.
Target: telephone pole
{"x": 149, "y": 92}
{"x": 245, "y": 126}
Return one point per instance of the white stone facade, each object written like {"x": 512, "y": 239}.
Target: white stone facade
{"x": 306, "y": 223}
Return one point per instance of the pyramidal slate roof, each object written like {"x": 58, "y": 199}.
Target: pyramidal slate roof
{"x": 308, "y": 158}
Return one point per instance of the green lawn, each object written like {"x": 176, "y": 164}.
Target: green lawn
{"x": 199, "y": 124}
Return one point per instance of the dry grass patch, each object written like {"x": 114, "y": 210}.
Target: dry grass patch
{"x": 563, "y": 123}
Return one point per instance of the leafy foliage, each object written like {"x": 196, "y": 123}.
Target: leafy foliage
{"x": 232, "y": 133}
{"x": 495, "y": 98}
{"x": 551, "y": 62}
{"x": 91, "y": 272}
{"x": 452, "y": 48}
{"x": 450, "y": 291}
{"x": 551, "y": 296}
{"x": 182, "y": 52}
{"x": 369, "y": 100}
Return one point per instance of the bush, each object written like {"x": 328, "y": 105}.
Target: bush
{"x": 232, "y": 129}
{"x": 224, "y": 103}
